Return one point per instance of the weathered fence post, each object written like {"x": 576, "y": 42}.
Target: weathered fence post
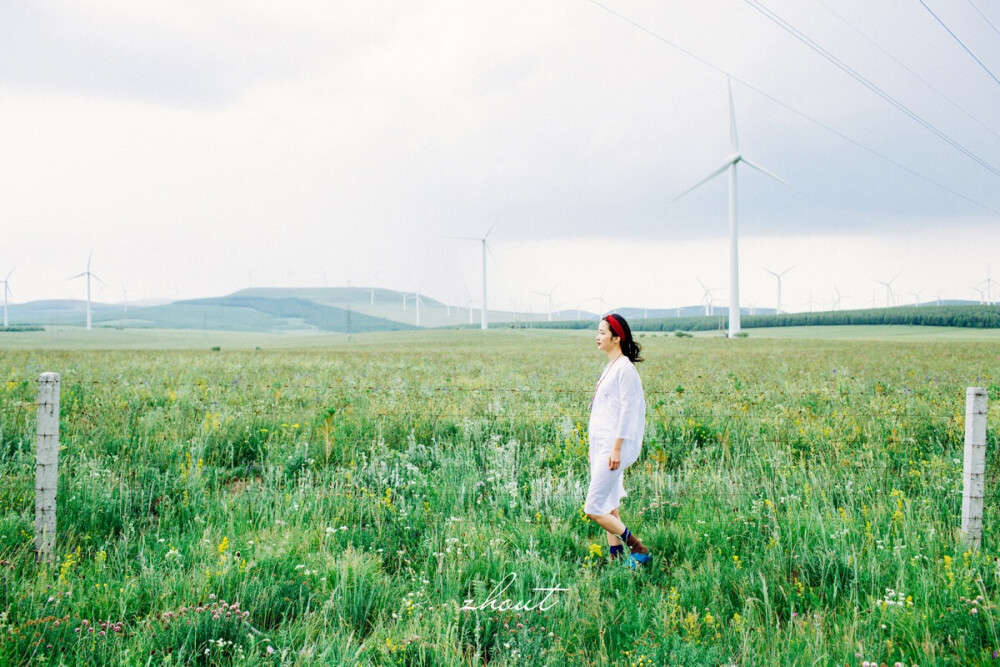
{"x": 46, "y": 467}
{"x": 974, "y": 475}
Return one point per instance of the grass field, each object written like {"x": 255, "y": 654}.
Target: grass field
{"x": 323, "y": 502}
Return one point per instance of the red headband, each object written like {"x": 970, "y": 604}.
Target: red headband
{"x": 617, "y": 328}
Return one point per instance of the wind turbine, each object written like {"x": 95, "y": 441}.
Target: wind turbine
{"x": 730, "y": 166}
{"x": 939, "y": 296}
{"x": 549, "y": 296}
{"x": 840, "y": 297}
{"x": 989, "y": 287}
{"x": 417, "y": 301}
{"x": 482, "y": 240}
{"x": 777, "y": 308}
{"x": 888, "y": 289}
{"x": 6, "y": 291}
{"x": 916, "y": 297}
{"x": 706, "y": 298}
{"x": 89, "y": 275}
{"x": 603, "y": 304}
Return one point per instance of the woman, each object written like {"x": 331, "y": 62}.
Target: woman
{"x": 617, "y": 423}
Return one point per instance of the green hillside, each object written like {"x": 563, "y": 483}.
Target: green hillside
{"x": 255, "y": 313}
{"x": 382, "y": 303}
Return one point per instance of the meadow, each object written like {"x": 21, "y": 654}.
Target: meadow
{"x": 341, "y": 504}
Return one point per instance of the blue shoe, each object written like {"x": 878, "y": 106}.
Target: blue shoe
{"x": 638, "y": 560}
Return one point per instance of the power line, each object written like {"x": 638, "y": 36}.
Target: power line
{"x": 985, "y": 18}
{"x": 857, "y": 76}
{"x": 904, "y": 66}
{"x": 960, "y": 42}
{"x": 786, "y": 106}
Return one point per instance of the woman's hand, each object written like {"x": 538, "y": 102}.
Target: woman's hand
{"x": 615, "y": 459}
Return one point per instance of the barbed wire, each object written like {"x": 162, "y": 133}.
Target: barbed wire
{"x": 749, "y": 390}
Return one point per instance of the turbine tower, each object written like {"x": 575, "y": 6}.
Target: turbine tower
{"x": 6, "y": 292}
{"x": 777, "y": 309}
{"x": 89, "y": 275}
{"x": 730, "y": 166}
{"x": 417, "y": 300}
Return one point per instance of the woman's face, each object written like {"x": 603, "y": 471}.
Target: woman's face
{"x": 607, "y": 341}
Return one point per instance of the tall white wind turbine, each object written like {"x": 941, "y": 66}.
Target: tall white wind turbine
{"x": 777, "y": 308}
{"x": 482, "y": 240}
{"x": 6, "y": 293}
{"x": 89, "y": 274}
{"x": 730, "y": 165}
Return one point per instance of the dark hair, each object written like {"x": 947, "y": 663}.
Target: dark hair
{"x": 630, "y": 348}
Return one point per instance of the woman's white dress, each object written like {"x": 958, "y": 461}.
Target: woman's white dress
{"x": 618, "y": 411}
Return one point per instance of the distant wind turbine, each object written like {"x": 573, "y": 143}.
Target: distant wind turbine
{"x": 548, "y": 295}
{"x": 6, "y": 292}
{"x": 88, "y": 275}
{"x": 730, "y": 166}
{"x": 706, "y": 298}
{"x": 417, "y": 301}
{"x": 982, "y": 294}
{"x": 888, "y": 289}
{"x": 602, "y": 303}
{"x": 482, "y": 240}
{"x": 989, "y": 287}
{"x": 777, "y": 308}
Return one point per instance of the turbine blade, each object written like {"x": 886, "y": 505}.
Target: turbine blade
{"x": 79, "y": 275}
{"x": 766, "y": 172}
{"x": 94, "y": 276}
{"x": 495, "y": 221}
{"x": 733, "y": 136}
{"x": 706, "y": 179}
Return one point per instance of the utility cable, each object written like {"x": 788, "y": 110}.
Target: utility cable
{"x": 786, "y": 106}
{"x": 985, "y": 18}
{"x": 960, "y": 42}
{"x": 904, "y": 66}
{"x": 857, "y": 76}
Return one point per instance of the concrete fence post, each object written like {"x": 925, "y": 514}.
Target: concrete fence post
{"x": 46, "y": 467}
{"x": 974, "y": 472}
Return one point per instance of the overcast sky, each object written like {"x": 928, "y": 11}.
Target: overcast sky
{"x": 200, "y": 147}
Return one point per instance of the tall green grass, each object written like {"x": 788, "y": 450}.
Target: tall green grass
{"x": 802, "y": 500}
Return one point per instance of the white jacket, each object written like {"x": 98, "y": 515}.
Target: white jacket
{"x": 619, "y": 408}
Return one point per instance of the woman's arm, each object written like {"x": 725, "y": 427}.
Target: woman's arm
{"x": 630, "y": 401}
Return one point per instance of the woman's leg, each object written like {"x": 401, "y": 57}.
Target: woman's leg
{"x": 613, "y": 524}
{"x": 614, "y": 540}
{"x": 615, "y": 548}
